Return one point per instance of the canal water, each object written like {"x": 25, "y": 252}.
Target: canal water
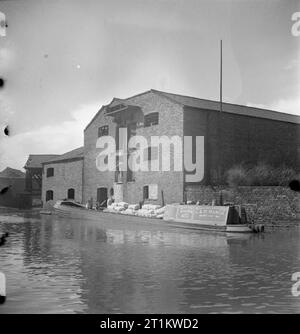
{"x": 56, "y": 265}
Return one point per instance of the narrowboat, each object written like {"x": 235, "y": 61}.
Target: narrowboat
{"x": 231, "y": 219}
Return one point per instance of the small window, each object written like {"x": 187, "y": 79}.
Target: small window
{"x": 49, "y": 195}
{"x": 50, "y": 172}
{"x": 103, "y": 131}
{"x": 151, "y": 153}
{"x": 151, "y": 119}
{"x": 71, "y": 193}
{"x": 145, "y": 192}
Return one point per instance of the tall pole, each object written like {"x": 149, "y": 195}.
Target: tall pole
{"x": 221, "y": 69}
{"x": 220, "y": 144}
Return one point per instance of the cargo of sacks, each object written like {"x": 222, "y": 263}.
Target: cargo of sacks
{"x": 147, "y": 210}
{"x": 131, "y": 209}
{"x": 151, "y": 211}
{"x": 117, "y": 207}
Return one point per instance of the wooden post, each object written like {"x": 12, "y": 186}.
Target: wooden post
{"x": 162, "y": 198}
{"x": 2, "y": 288}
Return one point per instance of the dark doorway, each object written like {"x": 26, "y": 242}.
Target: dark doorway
{"x": 49, "y": 195}
{"x": 71, "y": 193}
{"x": 145, "y": 192}
{"x": 101, "y": 195}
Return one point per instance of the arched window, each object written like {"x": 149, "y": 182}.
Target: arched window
{"x": 49, "y": 195}
{"x": 71, "y": 193}
{"x": 50, "y": 172}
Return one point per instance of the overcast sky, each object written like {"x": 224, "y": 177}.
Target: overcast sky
{"x": 63, "y": 59}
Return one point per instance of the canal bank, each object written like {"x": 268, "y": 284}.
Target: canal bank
{"x": 270, "y": 205}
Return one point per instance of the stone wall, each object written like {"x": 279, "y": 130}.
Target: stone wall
{"x": 268, "y": 205}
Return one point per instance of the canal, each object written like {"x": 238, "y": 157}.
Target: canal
{"x": 55, "y": 265}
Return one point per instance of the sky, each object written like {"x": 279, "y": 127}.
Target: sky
{"x": 63, "y": 59}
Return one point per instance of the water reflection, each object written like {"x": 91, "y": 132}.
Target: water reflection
{"x": 72, "y": 266}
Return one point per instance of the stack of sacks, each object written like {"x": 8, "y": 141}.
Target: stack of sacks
{"x": 151, "y": 211}
{"x": 117, "y": 207}
{"x": 147, "y": 210}
{"x": 150, "y": 206}
{"x": 134, "y": 206}
{"x": 128, "y": 212}
{"x": 145, "y": 213}
{"x": 160, "y": 212}
{"x": 122, "y": 204}
{"x": 110, "y": 208}
{"x": 131, "y": 210}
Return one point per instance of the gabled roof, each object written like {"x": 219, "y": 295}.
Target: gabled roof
{"x": 36, "y": 160}
{"x": 12, "y": 173}
{"x": 114, "y": 101}
{"x": 194, "y": 102}
{"x": 76, "y": 154}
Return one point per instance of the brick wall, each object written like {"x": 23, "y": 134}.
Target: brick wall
{"x": 170, "y": 124}
{"x": 93, "y": 178}
{"x": 268, "y": 205}
{"x": 66, "y": 175}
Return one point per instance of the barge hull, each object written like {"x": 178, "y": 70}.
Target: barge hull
{"x": 207, "y": 225}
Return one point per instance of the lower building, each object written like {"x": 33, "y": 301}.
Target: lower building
{"x": 62, "y": 177}
{"x": 33, "y": 178}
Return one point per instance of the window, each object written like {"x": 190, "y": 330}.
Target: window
{"x": 103, "y": 131}
{"x": 153, "y": 191}
{"x": 49, "y": 195}
{"x": 145, "y": 192}
{"x": 150, "y": 191}
{"x": 151, "y": 153}
{"x": 71, "y": 193}
{"x": 151, "y": 119}
{"x": 50, "y": 172}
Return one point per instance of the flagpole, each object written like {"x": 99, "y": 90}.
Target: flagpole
{"x": 220, "y": 144}
{"x": 221, "y": 69}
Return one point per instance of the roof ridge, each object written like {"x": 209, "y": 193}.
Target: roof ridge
{"x": 66, "y": 155}
{"x": 161, "y": 93}
{"x": 43, "y": 154}
{"x": 228, "y": 103}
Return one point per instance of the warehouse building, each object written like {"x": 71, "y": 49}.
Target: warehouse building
{"x": 238, "y": 134}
